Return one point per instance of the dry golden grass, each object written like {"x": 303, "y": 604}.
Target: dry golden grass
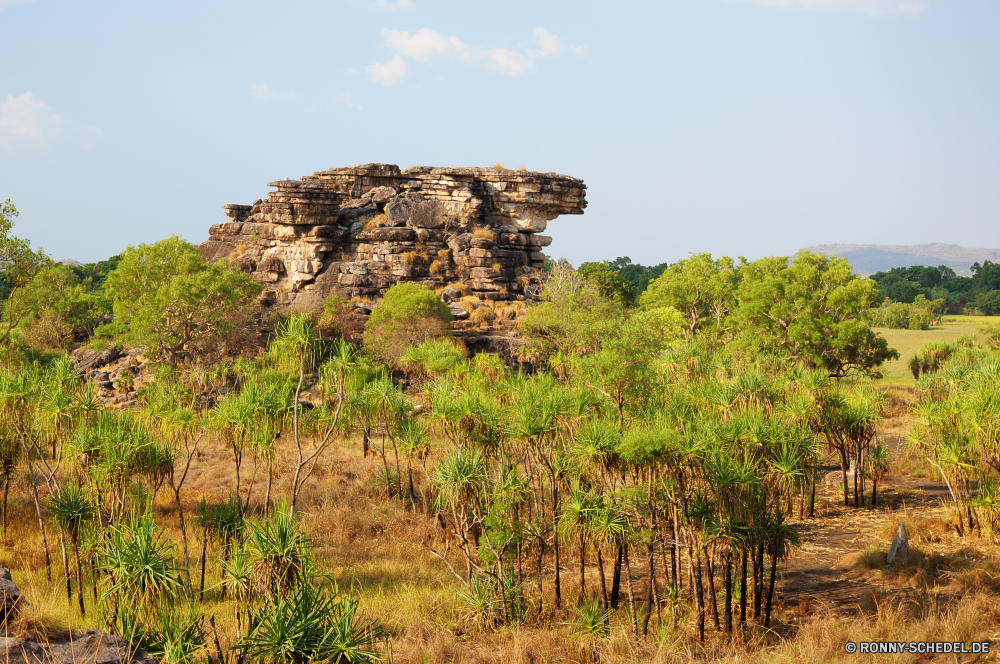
{"x": 408, "y": 257}
{"x": 436, "y": 267}
{"x": 372, "y": 222}
{"x": 371, "y": 546}
{"x": 484, "y": 233}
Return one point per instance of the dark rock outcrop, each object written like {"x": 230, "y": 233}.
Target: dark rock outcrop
{"x": 91, "y": 646}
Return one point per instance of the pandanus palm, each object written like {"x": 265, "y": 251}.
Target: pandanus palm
{"x": 72, "y": 511}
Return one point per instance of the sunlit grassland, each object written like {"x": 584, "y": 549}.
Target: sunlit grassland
{"x": 908, "y": 342}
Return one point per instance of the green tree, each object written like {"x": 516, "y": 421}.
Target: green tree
{"x": 988, "y": 303}
{"x": 609, "y": 282}
{"x": 167, "y": 298}
{"x": 18, "y": 264}
{"x": 624, "y": 367}
{"x": 811, "y": 310}
{"x": 60, "y": 308}
{"x": 408, "y": 314}
{"x": 572, "y": 317}
{"x": 701, "y": 289}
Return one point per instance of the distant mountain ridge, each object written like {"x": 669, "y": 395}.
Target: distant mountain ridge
{"x": 871, "y": 258}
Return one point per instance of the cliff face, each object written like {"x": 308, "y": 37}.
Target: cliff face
{"x": 354, "y": 232}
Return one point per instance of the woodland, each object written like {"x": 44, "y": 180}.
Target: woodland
{"x": 666, "y": 467}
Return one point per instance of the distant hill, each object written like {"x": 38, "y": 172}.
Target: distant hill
{"x": 69, "y": 261}
{"x": 871, "y": 258}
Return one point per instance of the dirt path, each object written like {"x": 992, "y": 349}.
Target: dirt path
{"x": 823, "y": 570}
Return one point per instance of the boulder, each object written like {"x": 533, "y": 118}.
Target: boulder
{"x": 458, "y": 313}
{"x": 451, "y": 293}
{"x": 899, "y": 550}
{"x": 85, "y": 359}
{"x": 97, "y": 647}
{"x": 10, "y": 596}
{"x": 91, "y": 646}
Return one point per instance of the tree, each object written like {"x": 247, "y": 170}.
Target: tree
{"x": 60, "y": 308}
{"x": 637, "y": 275}
{"x": 18, "y": 264}
{"x": 701, "y": 289}
{"x": 988, "y": 302}
{"x": 609, "y": 282}
{"x": 572, "y": 317}
{"x": 623, "y": 369}
{"x": 408, "y": 314}
{"x": 166, "y": 297}
{"x": 811, "y": 311}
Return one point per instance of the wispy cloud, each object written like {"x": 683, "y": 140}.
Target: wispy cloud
{"x": 868, "y": 7}
{"x": 28, "y": 123}
{"x": 267, "y": 94}
{"x": 4, "y": 4}
{"x": 509, "y": 63}
{"x": 349, "y": 102}
{"x": 389, "y": 5}
{"x": 389, "y": 72}
{"x": 426, "y": 45}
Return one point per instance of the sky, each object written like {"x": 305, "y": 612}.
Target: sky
{"x": 736, "y": 127}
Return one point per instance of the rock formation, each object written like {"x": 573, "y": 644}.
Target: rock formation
{"x": 92, "y": 646}
{"x": 899, "y": 550}
{"x": 354, "y": 232}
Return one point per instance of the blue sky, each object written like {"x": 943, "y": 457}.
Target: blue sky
{"x": 740, "y": 127}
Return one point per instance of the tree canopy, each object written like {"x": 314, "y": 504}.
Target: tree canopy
{"x": 167, "y": 297}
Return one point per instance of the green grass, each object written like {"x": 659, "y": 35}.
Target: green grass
{"x": 907, "y": 342}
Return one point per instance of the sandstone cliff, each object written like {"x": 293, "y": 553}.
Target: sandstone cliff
{"x": 354, "y": 232}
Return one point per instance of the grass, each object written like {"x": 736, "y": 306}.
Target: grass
{"x": 908, "y": 342}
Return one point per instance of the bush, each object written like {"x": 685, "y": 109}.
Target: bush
{"x": 408, "y": 315}
{"x": 988, "y": 303}
{"x": 62, "y": 308}
{"x": 899, "y": 316}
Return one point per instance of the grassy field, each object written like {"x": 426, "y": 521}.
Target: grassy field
{"x": 907, "y": 342}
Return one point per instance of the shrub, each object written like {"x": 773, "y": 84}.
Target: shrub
{"x": 409, "y": 314}
{"x": 988, "y": 303}
{"x": 900, "y": 316}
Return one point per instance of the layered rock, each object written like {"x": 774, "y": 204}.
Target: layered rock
{"x": 354, "y": 232}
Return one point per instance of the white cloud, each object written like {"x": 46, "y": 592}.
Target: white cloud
{"x": 550, "y": 45}
{"x": 4, "y": 4}
{"x": 387, "y": 73}
{"x": 28, "y": 123}
{"x": 387, "y": 5}
{"x": 427, "y": 45}
{"x": 868, "y": 7}
{"x": 509, "y": 63}
{"x": 267, "y": 94}
{"x": 349, "y": 102}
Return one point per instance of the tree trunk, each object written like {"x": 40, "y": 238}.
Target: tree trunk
{"x": 79, "y": 576}
{"x": 541, "y": 553}
{"x": 65, "y": 560}
{"x": 770, "y": 588}
{"x": 631, "y": 593}
{"x": 699, "y": 595}
{"x": 616, "y": 579}
{"x": 184, "y": 539}
{"x": 743, "y": 589}
{"x": 711, "y": 589}
{"x": 604, "y": 584}
{"x": 758, "y": 595}
{"x": 583, "y": 568}
{"x": 874, "y": 491}
{"x": 555, "y": 539}
{"x": 729, "y": 593}
{"x": 812, "y": 498}
{"x": 204, "y": 549}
